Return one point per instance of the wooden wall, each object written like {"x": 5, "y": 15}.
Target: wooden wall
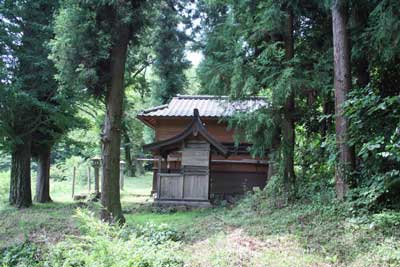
{"x": 229, "y": 177}
{"x": 169, "y": 127}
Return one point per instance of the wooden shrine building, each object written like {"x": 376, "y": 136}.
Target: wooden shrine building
{"x": 195, "y": 156}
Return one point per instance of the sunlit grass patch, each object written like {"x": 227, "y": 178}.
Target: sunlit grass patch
{"x": 239, "y": 249}
{"x": 50, "y": 222}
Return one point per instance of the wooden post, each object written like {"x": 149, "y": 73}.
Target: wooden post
{"x": 139, "y": 167}
{"x": 121, "y": 174}
{"x": 73, "y": 182}
{"x": 96, "y": 162}
{"x": 89, "y": 180}
{"x": 159, "y": 165}
{"x": 96, "y": 180}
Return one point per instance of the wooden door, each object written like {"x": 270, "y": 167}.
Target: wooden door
{"x": 195, "y": 165}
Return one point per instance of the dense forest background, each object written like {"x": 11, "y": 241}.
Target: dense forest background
{"x": 74, "y": 75}
{"x": 56, "y": 69}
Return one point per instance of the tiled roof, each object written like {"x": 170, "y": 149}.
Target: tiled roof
{"x": 208, "y": 106}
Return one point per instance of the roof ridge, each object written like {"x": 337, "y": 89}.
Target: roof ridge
{"x": 199, "y": 96}
{"x": 154, "y": 108}
{"x": 179, "y": 96}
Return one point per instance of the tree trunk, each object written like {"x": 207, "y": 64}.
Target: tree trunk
{"x": 110, "y": 192}
{"x": 130, "y": 168}
{"x": 342, "y": 85}
{"x": 360, "y": 18}
{"x": 327, "y": 109}
{"x": 273, "y": 166}
{"x": 288, "y": 126}
{"x": 43, "y": 176}
{"x": 20, "y": 182}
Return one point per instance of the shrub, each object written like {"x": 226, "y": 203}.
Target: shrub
{"x": 109, "y": 245}
{"x": 25, "y": 254}
{"x": 386, "y": 220}
{"x": 157, "y": 234}
{"x": 375, "y": 131}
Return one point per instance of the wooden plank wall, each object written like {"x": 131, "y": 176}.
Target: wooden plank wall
{"x": 167, "y": 128}
{"x": 225, "y": 178}
{"x": 171, "y": 187}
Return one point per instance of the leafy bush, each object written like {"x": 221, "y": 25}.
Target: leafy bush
{"x": 387, "y": 219}
{"x": 108, "y": 245}
{"x": 375, "y": 130}
{"x": 26, "y": 254}
{"x": 157, "y": 234}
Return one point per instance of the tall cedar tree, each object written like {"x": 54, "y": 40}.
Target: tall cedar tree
{"x": 288, "y": 122}
{"x": 342, "y": 85}
{"x": 90, "y": 51}
{"x": 258, "y": 37}
{"x": 26, "y": 87}
{"x": 169, "y": 50}
{"x": 57, "y": 114}
{"x": 242, "y": 46}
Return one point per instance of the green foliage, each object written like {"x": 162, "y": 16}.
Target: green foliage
{"x": 257, "y": 127}
{"x": 25, "y": 254}
{"x": 169, "y": 49}
{"x": 330, "y": 229}
{"x": 374, "y": 124}
{"x": 62, "y": 171}
{"x": 247, "y": 53}
{"x": 253, "y": 232}
{"x": 133, "y": 127}
{"x": 30, "y": 100}
{"x": 83, "y": 63}
{"x": 79, "y": 68}
{"x": 382, "y": 34}
{"x": 386, "y": 220}
{"x": 157, "y": 234}
{"x": 244, "y": 47}
{"x": 107, "y": 245}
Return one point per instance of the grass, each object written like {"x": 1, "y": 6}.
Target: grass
{"x": 50, "y": 222}
{"x": 248, "y": 234}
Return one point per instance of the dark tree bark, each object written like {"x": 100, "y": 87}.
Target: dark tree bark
{"x": 288, "y": 126}
{"x": 274, "y": 155}
{"x": 360, "y": 19}
{"x": 327, "y": 109}
{"x": 111, "y": 139}
{"x": 43, "y": 176}
{"x": 342, "y": 85}
{"x": 20, "y": 182}
{"x": 130, "y": 168}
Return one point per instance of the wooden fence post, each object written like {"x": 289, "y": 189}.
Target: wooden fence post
{"x": 121, "y": 174}
{"x": 89, "y": 180}
{"x": 139, "y": 167}
{"x": 73, "y": 182}
{"x": 96, "y": 163}
{"x": 96, "y": 180}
